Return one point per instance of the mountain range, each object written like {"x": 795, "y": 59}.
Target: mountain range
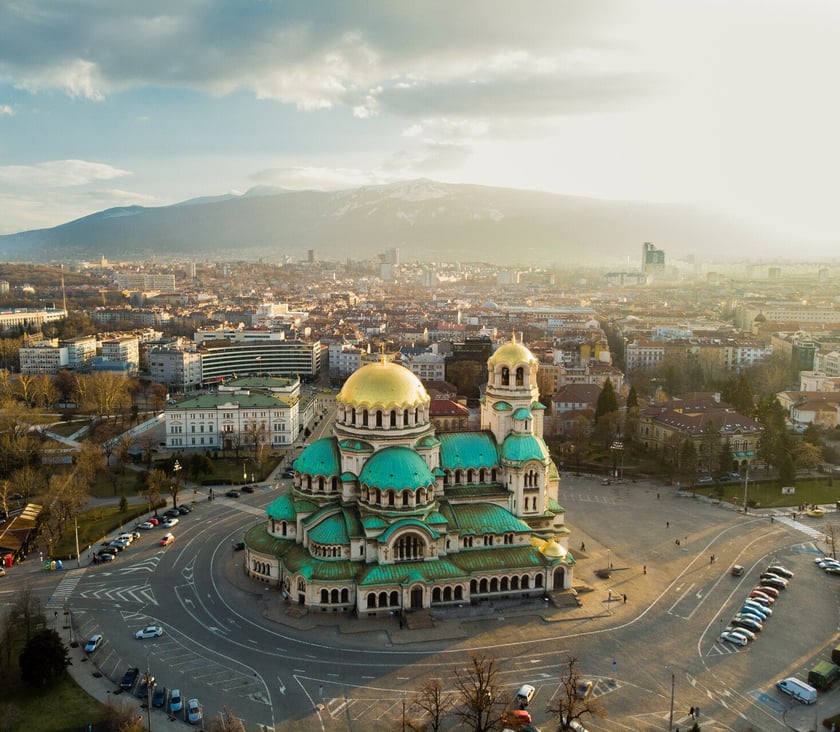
{"x": 427, "y": 220}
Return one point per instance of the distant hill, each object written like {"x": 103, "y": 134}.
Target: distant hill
{"x": 425, "y": 219}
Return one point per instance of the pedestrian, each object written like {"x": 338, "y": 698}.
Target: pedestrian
{"x": 657, "y": 496}
{"x": 691, "y": 712}
{"x": 625, "y": 599}
{"x": 644, "y": 569}
{"x": 697, "y": 712}
{"x": 583, "y": 546}
{"x": 667, "y": 524}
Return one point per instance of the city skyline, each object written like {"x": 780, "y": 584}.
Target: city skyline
{"x": 722, "y": 106}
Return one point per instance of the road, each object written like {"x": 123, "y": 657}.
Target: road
{"x": 222, "y": 642}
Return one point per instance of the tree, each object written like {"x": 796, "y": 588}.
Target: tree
{"x": 155, "y": 484}
{"x": 44, "y": 658}
{"x": 607, "y": 401}
{"x": 432, "y": 704}
{"x": 479, "y": 706}
{"x": 573, "y": 700}
{"x": 226, "y": 721}
{"x": 807, "y": 455}
{"x": 464, "y": 375}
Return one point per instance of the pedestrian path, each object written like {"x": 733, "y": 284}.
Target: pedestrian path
{"x": 65, "y": 588}
{"x": 809, "y": 531}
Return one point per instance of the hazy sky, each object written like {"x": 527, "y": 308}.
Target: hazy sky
{"x": 728, "y": 105}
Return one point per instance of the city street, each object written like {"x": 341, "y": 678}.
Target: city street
{"x": 229, "y": 642}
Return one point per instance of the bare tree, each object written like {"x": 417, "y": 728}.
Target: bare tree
{"x": 432, "y": 704}
{"x": 480, "y": 705}
{"x": 226, "y": 721}
{"x": 45, "y": 392}
{"x": 155, "y": 485}
{"x": 573, "y": 698}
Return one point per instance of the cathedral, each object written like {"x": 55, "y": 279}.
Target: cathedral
{"x": 386, "y": 516}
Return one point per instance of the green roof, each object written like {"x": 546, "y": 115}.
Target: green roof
{"x": 488, "y": 559}
{"x": 398, "y": 468}
{"x": 405, "y": 572}
{"x": 320, "y": 458}
{"x": 331, "y": 530}
{"x": 523, "y": 413}
{"x": 468, "y": 450}
{"x": 244, "y": 401}
{"x": 374, "y": 522}
{"x": 282, "y": 508}
{"x": 476, "y": 490}
{"x": 356, "y": 445}
{"x": 537, "y": 405}
{"x": 427, "y": 441}
{"x": 502, "y": 407}
{"x": 416, "y": 523}
{"x": 485, "y": 518}
{"x": 518, "y": 448}
{"x": 555, "y": 507}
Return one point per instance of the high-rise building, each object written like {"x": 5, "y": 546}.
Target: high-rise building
{"x": 653, "y": 259}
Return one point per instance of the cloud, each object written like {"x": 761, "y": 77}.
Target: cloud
{"x": 58, "y": 174}
{"x": 6, "y": 111}
{"x": 317, "y": 178}
{"x": 470, "y": 58}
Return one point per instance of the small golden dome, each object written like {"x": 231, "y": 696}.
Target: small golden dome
{"x": 512, "y": 354}
{"x": 552, "y": 549}
{"x": 383, "y": 385}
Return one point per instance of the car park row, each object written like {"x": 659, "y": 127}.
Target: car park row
{"x": 110, "y": 548}
{"x": 757, "y": 606}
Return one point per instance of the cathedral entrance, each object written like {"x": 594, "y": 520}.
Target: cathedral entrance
{"x": 417, "y": 598}
{"x": 559, "y": 578}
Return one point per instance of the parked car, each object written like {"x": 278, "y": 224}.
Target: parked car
{"x": 773, "y": 581}
{"x": 159, "y": 697}
{"x": 767, "y": 590}
{"x": 516, "y": 717}
{"x": 193, "y": 711}
{"x": 2, "y": 571}
{"x": 751, "y": 611}
{"x": 780, "y": 570}
{"x": 758, "y": 607}
{"x": 146, "y": 525}
{"x": 525, "y": 695}
{"x": 238, "y": 546}
{"x": 762, "y": 597}
{"x": 146, "y": 682}
{"x": 175, "y": 702}
{"x": 746, "y": 632}
{"x": 150, "y": 631}
{"x": 184, "y": 510}
{"x": 705, "y": 479}
{"x": 154, "y": 520}
{"x": 172, "y": 512}
{"x": 232, "y": 493}
{"x": 169, "y": 523}
{"x": 750, "y": 622}
{"x": 166, "y": 539}
{"x": 129, "y": 677}
{"x": 832, "y": 570}
{"x": 107, "y": 556}
{"x": 248, "y": 488}
{"x": 732, "y": 637}
{"x": 93, "y": 643}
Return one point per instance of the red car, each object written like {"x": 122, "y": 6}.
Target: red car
{"x": 154, "y": 521}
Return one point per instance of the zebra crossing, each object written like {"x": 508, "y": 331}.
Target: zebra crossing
{"x": 806, "y": 529}
{"x": 65, "y": 588}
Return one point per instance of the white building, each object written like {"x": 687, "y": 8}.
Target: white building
{"x": 643, "y": 354}
{"x": 124, "y": 349}
{"x": 44, "y": 358}
{"x": 245, "y": 414}
{"x": 427, "y": 366}
{"x": 179, "y": 369}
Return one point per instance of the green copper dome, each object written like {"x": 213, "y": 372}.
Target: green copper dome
{"x": 520, "y": 448}
{"x": 320, "y": 458}
{"x": 398, "y": 468}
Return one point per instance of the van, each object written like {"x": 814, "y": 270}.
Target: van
{"x": 799, "y": 690}
{"x": 823, "y": 675}
{"x": 524, "y": 695}
{"x": 737, "y": 570}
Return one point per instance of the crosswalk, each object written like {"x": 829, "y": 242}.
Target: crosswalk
{"x": 806, "y": 529}
{"x": 65, "y": 588}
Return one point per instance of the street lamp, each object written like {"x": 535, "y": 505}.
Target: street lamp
{"x": 746, "y": 480}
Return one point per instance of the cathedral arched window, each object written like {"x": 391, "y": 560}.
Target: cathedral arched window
{"x": 324, "y": 597}
{"x": 378, "y": 418}
{"x": 520, "y": 376}
{"x": 371, "y": 600}
{"x": 405, "y": 498}
{"x": 405, "y": 418}
{"x": 505, "y": 376}
{"x": 345, "y": 595}
{"x": 393, "y": 418}
{"x": 365, "y": 418}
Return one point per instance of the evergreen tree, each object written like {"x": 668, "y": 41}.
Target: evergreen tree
{"x": 607, "y": 401}
{"x": 44, "y": 658}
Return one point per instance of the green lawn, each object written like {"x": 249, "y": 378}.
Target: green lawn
{"x": 95, "y": 524}
{"x": 768, "y": 493}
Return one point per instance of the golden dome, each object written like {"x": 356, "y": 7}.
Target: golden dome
{"x": 383, "y": 385}
{"x": 511, "y": 353}
{"x": 552, "y": 549}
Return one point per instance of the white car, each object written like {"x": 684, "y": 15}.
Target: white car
{"x": 176, "y": 704}
{"x": 748, "y": 634}
{"x": 193, "y": 711}
{"x": 150, "y": 631}
{"x": 169, "y": 523}
{"x": 146, "y": 526}
{"x": 733, "y": 637}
